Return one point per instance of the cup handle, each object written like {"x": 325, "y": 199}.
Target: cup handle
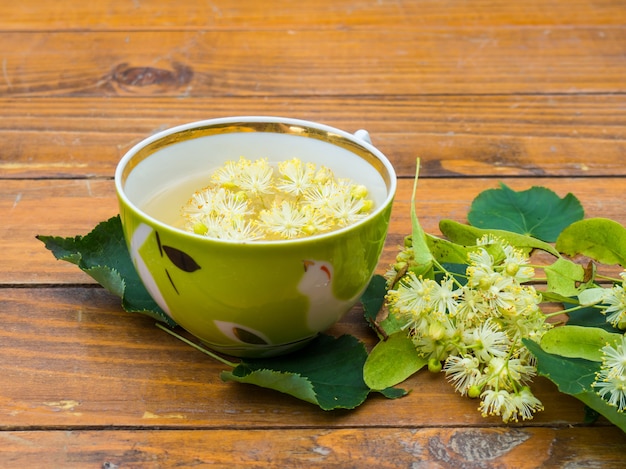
{"x": 363, "y": 135}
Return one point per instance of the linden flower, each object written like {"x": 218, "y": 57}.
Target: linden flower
{"x": 412, "y": 297}
{"x": 610, "y": 381}
{"x": 296, "y": 177}
{"x": 239, "y": 229}
{"x": 526, "y": 404}
{"x": 284, "y": 220}
{"x": 472, "y": 307}
{"x": 496, "y": 402}
{"x": 443, "y": 296}
{"x": 515, "y": 264}
{"x": 612, "y": 389}
{"x": 320, "y": 196}
{"x": 487, "y": 340}
{"x": 316, "y": 222}
{"x": 256, "y": 177}
{"x": 475, "y": 327}
{"x": 614, "y": 358}
{"x": 615, "y": 298}
{"x": 437, "y": 340}
{"x": 346, "y": 209}
{"x": 463, "y": 371}
{"x": 201, "y": 204}
{"x": 228, "y": 175}
{"x": 510, "y": 406}
{"x": 253, "y": 200}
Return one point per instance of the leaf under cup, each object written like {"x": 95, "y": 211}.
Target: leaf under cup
{"x": 102, "y": 254}
{"x": 328, "y": 372}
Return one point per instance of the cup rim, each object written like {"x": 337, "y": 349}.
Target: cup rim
{"x": 170, "y": 136}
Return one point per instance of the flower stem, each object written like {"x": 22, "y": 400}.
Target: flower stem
{"x": 568, "y": 310}
{"x": 446, "y": 272}
{"x": 197, "y": 347}
{"x": 611, "y": 279}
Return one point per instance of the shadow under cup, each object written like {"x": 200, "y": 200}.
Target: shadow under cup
{"x": 255, "y": 298}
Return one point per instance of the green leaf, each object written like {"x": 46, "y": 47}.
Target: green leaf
{"x": 467, "y": 235}
{"x": 566, "y": 277}
{"x": 391, "y": 324}
{"x": 577, "y": 342}
{"x": 373, "y": 298}
{"x": 110, "y": 279}
{"x": 328, "y": 372}
{"x": 597, "y": 403}
{"x": 589, "y": 317}
{"x": 392, "y": 361}
{"x": 571, "y": 375}
{"x": 393, "y": 393}
{"x": 374, "y": 311}
{"x": 536, "y": 212}
{"x": 423, "y": 259}
{"x": 286, "y": 382}
{"x": 103, "y": 255}
{"x": 592, "y": 296}
{"x": 599, "y": 238}
{"x": 574, "y": 376}
{"x": 445, "y": 251}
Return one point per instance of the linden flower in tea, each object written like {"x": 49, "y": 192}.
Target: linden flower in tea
{"x": 253, "y": 200}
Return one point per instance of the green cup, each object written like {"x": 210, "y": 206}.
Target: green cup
{"x": 255, "y": 298}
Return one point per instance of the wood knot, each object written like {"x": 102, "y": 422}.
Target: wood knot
{"x": 151, "y": 79}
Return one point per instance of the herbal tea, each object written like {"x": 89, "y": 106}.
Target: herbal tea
{"x": 254, "y": 200}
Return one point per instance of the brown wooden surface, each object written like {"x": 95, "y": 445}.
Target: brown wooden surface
{"x": 527, "y": 93}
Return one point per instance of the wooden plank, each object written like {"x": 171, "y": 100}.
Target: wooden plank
{"x": 346, "y": 62}
{"x": 284, "y": 14}
{"x": 333, "y": 448}
{"x": 466, "y": 136}
{"x": 105, "y": 367}
{"x": 74, "y": 207}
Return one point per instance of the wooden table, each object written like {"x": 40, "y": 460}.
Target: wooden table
{"x": 528, "y": 93}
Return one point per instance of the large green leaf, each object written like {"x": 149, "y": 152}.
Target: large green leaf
{"x": 328, "y": 372}
{"x": 103, "y": 255}
{"x": 601, "y": 239}
{"x": 536, "y": 212}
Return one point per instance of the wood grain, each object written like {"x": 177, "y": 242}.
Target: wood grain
{"x": 338, "y": 448}
{"x": 291, "y": 63}
{"x": 284, "y": 14}
{"x": 71, "y": 357}
{"x": 455, "y": 136}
